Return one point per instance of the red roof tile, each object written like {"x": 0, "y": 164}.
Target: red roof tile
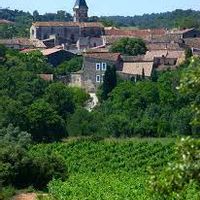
{"x": 103, "y": 56}
{"x": 136, "y": 68}
{"x": 145, "y": 34}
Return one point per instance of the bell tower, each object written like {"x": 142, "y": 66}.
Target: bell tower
{"x": 80, "y": 11}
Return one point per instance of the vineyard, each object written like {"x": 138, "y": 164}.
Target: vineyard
{"x": 107, "y": 169}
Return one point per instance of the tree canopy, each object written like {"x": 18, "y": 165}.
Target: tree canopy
{"x": 129, "y": 46}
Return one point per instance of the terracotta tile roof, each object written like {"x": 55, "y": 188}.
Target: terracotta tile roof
{"x": 175, "y": 54}
{"x": 23, "y": 42}
{"x": 192, "y": 42}
{"x": 38, "y": 43}
{"x": 68, "y": 24}
{"x": 144, "y": 34}
{"x": 28, "y": 50}
{"x": 150, "y": 55}
{"x": 47, "y": 52}
{"x": 103, "y": 56}
{"x": 3, "y": 21}
{"x": 46, "y": 77}
{"x": 136, "y": 68}
{"x": 181, "y": 31}
{"x": 163, "y": 46}
{"x": 17, "y": 41}
{"x": 138, "y": 58}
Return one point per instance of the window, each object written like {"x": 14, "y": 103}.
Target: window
{"x": 104, "y": 66}
{"x": 98, "y": 78}
{"x": 98, "y": 66}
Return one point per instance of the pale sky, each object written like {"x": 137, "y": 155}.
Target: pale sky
{"x": 103, "y": 7}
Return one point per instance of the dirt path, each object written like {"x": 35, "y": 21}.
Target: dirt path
{"x": 30, "y": 196}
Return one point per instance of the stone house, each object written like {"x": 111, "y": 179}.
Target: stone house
{"x": 89, "y": 42}
{"x": 165, "y": 59}
{"x": 95, "y": 65}
{"x": 65, "y": 32}
{"x": 55, "y": 56}
{"x": 176, "y": 35}
{"x": 22, "y": 43}
{"x": 135, "y": 69}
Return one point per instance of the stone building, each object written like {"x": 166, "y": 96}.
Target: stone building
{"x": 69, "y": 33}
{"x": 80, "y": 11}
{"x": 65, "y": 32}
{"x": 95, "y": 65}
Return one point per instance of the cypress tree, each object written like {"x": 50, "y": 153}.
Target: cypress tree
{"x": 110, "y": 82}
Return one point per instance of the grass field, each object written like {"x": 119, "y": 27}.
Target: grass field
{"x": 108, "y": 169}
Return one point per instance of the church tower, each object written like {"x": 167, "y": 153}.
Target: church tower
{"x": 80, "y": 11}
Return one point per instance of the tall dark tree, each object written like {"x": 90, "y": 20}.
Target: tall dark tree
{"x": 36, "y": 16}
{"x": 110, "y": 81}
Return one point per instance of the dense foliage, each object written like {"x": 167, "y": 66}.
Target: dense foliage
{"x": 108, "y": 169}
{"x": 151, "y": 108}
{"x": 175, "y": 19}
{"x": 181, "y": 178}
{"x": 39, "y": 107}
{"x": 129, "y": 46}
{"x": 20, "y": 168}
{"x": 73, "y": 65}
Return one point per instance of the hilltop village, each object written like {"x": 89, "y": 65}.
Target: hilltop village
{"x": 60, "y": 41}
{"x": 96, "y": 109}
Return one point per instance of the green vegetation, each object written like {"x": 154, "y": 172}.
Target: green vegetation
{"x": 175, "y": 19}
{"x": 73, "y": 65}
{"x": 21, "y": 169}
{"x": 22, "y": 20}
{"x": 107, "y": 169}
{"x": 181, "y": 178}
{"x": 110, "y": 82}
{"x": 39, "y": 107}
{"x": 36, "y": 115}
{"x": 129, "y": 46}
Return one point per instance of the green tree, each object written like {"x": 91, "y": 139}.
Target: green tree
{"x": 180, "y": 179}
{"x": 60, "y": 97}
{"x": 117, "y": 125}
{"x": 81, "y": 123}
{"x": 73, "y": 65}
{"x": 189, "y": 86}
{"x": 80, "y": 96}
{"x": 129, "y": 46}
{"x": 44, "y": 122}
{"x": 36, "y": 16}
{"x": 110, "y": 82}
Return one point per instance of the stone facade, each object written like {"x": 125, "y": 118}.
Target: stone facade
{"x": 94, "y": 67}
{"x": 65, "y": 32}
{"x": 80, "y": 11}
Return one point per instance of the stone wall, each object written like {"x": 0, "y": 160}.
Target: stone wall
{"x": 90, "y": 72}
{"x": 67, "y": 34}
